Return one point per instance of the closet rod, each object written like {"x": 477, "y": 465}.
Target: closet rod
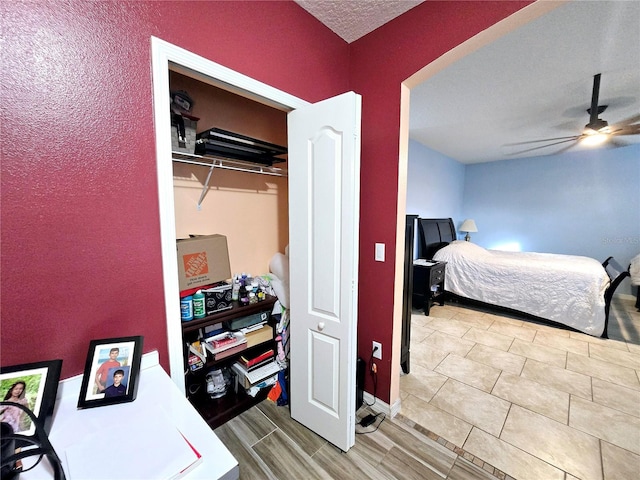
{"x": 220, "y": 163}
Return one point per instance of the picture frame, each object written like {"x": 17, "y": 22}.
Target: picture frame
{"x": 39, "y": 382}
{"x": 111, "y": 372}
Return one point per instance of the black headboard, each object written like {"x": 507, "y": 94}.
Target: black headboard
{"x": 435, "y": 233}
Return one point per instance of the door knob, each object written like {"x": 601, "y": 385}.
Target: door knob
{"x": 321, "y": 326}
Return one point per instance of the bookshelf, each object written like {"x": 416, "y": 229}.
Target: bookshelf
{"x": 217, "y": 411}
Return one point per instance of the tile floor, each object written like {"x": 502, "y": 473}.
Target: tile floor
{"x": 269, "y": 444}
{"x": 532, "y": 400}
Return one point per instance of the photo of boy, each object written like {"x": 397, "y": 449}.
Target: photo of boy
{"x": 117, "y": 388}
{"x": 103, "y": 371}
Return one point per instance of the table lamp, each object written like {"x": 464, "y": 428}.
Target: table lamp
{"x": 468, "y": 226}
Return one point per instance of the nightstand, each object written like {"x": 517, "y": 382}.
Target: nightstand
{"x": 428, "y": 283}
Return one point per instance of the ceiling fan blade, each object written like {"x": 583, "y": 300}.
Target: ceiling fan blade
{"x": 564, "y": 149}
{"x": 593, "y": 111}
{"x": 573, "y": 139}
{"x": 627, "y": 121}
{"x": 627, "y": 130}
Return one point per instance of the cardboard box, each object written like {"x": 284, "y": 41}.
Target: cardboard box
{"x": 256, "y": 337}
{"x": 203, "y": 260}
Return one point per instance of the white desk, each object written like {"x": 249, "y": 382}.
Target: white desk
{"x": 155, "y": 389}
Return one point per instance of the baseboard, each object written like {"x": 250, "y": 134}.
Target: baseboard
{"x": 379, "y": 406}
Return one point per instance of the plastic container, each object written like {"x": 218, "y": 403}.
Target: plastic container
{"x": 235, "y": 290}
{"x": 244, "y": 295}
{"x": 186, "y": 308}
{"x": 199, "y": 310}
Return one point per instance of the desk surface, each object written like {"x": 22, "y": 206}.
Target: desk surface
{"x": 155, "y": 390}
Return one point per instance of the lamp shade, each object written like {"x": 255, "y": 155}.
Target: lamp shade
{"x": 468, "y": 226}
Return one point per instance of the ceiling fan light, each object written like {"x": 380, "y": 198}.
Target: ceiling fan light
{"x": 594, "y": 139}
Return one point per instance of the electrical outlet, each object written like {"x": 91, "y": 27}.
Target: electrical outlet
{"x": 377, "y": 353}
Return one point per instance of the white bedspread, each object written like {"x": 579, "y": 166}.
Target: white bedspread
{"x": 563, "y": 288}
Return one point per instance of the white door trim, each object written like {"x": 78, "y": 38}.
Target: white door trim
{"x": 164, "y": 56}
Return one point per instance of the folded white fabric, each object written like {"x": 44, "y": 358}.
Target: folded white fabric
{"x": 634, "y": 270}
{"x": 279, "y": 267}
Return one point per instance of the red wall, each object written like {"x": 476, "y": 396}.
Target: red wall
{"x": 80, "y": 227}
{"x": 380, "y": 62}
{"x": 80, "y": 231}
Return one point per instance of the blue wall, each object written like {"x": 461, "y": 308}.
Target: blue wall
{"x": 435, "y": 184}
{"x": 578, "y": 203}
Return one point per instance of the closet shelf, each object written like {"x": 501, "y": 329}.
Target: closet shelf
{"x": 227, "y": 164}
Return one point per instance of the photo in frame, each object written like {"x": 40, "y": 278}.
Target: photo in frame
{"x": 33, "y": 385}
{"x": 111, "y": 372}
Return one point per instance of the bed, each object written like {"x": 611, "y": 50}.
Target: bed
{"x": 573, "y": 291}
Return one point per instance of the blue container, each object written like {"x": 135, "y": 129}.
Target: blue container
{"x": 186, "y": 308}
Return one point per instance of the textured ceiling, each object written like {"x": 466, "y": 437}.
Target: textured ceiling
{"x": 534, "y": 83}
{"x": 352, "y": 19}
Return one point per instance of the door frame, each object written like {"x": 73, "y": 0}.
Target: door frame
{"x": 512, "y": 22}
{"x": 164, "y": 57}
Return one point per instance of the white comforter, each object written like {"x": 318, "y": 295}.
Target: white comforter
{"x": 563, "y": 288}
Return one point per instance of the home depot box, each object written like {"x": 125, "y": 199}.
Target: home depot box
{"x": 203, "y": 260}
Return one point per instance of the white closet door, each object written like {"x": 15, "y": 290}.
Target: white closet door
{"x": 324, "y": 194}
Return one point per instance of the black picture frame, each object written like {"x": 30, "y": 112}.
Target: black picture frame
{"x": 100, "y": 385}
{"x": 40, "y": 387}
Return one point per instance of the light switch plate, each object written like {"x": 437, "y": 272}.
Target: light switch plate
{"x": 379, "y": 257}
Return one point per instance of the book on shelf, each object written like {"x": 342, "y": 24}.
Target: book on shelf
{"x": 226, "y": 344}
{"x": 197, "y": 355}
{"x": 213, "y": 330}
{"x": 230, "y": 351}
{"x": 224, "y": 341}
{"x": 220, "y": 341}
{"x": 249, "y": 378}
{"x": 251, "y": 363}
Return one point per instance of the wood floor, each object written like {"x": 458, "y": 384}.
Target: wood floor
{"x": 268, "y": 444}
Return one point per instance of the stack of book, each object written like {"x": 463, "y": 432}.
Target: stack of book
{"x": 226, "y": 344}
{"x": 255, "y": 362}
{"x": 250, "y": 378}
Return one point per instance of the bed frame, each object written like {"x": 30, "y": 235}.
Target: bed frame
{"x": 435, "y": 233}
